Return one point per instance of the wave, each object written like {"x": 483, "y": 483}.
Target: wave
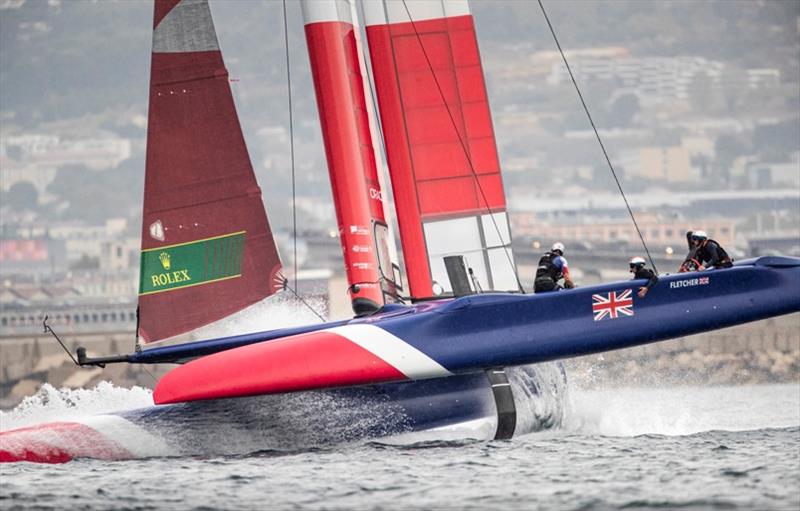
{"x": 675, "y": 411}
{"x": 289, "y": 422}
{"x": 51, "y": 404}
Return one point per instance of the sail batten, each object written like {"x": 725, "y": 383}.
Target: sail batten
{"x": 207, "y": 249}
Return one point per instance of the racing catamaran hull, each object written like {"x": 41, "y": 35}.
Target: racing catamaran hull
{"x": 463, "y": 406}
{"x": 472, "y": 333}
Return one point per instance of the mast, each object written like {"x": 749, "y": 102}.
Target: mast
{"x": 339, "y": 82}
{"x": 440, "y": 142}
{"x": 207, "y": 248}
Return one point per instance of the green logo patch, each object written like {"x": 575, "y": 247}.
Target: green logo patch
{"x": 192, "y": 263}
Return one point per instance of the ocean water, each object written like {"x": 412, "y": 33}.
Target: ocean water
{"x": 616, "y": 448}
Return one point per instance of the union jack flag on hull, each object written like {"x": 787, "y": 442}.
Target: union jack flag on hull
{"x": 611, "y": 305}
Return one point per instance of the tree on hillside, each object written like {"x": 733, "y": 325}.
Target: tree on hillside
{"x": 94, "y": 196}
{"x": 623, "y": 110}
{"x": 775, "y": 142}
{"x": 21, "y": 196}
{"x": 727, "y": 148}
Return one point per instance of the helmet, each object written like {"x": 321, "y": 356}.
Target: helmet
{"x": 637, "y": 261}
{"x": 699, "y": 235}
{"x": 558, "y": 247}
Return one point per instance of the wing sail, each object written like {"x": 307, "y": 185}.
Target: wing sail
{"x": 350, "y": 146}
{"x": 439, "y": 142}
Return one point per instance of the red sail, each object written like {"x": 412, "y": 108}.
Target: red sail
{"x": 333, "y": 49}
{"x": 207, "y": 249}
{"x": 439, "y": 142}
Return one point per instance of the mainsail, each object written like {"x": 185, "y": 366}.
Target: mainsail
{"x": 439, "y": 142}
{"x": 207, "y": 249}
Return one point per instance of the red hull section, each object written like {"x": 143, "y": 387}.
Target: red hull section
{"x": 58, "y": 442}
{"x": 304, "y": 362}
{"x": 333, "y": 52}
{"x": 200, "y": 183}
{"x": 442, "y": 156}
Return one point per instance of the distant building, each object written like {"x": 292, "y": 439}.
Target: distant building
{"x": 652, "y": 79}
{"x": 114, "y": 256}
{"x": 763, "y": 78}
{"x": 669, "y": 164}
{"x": 35, "y": 158}
{"x": 120, "y": 285}
{"x": 774, "y": 175}
{"x": 20, "y": 256}
{"x": 699, "y": 145}
{"x": 76, "y": 241}
{"x": 656, "y": 230}
{"x": 543, "y": 62}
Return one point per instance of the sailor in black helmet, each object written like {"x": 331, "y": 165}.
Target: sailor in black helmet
{"x": 552, "y": 268}
{"x": 707, "y": 252}
{"x": 640, "y": 272}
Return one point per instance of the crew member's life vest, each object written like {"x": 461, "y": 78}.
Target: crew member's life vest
{"x": 547, "y": 268}
{"x": 704, "y": 255}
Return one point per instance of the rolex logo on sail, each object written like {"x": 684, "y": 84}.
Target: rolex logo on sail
{"x": 170, "y": 277}
{"x": 193, "y": 263}
{"x": 164, "y": 257}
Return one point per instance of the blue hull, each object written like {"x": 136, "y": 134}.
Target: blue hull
{"x": 502, "y": 330}
{"x": 477, "y": 332}
{"x": 458, "y": 407}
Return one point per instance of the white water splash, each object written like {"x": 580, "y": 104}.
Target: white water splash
{"x": 50, "y": 404}
{"x": 682, "y": 410}
{"x": 277, "y": 311}
{"x": 540, "y": 395}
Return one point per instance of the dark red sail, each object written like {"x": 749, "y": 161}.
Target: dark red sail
{"x": 207, "y": 249}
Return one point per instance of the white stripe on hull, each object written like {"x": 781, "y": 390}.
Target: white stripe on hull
{"x": 395, "y": 351}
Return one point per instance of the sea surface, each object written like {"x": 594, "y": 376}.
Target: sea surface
{"x": 617, "y": 448}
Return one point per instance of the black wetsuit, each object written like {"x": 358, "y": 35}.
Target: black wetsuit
{"x": 711, "y": 254}
{"x": 646, "y": 273}
{"x": 547, "y": 274}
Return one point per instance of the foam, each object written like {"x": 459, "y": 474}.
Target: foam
{"x": 681, "y": 410}
{"x": 50, "y": 404}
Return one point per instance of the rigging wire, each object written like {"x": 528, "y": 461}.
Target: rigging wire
{"x": 312, "y": 309}
{"x": 144, "y": 368}
{"x": 463, "y": 146}
{"x": 599, "y": 140}
{"x": 291, "y": 143}
{"x": 294, "y": 182}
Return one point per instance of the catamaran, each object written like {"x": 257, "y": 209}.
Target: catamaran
{"x": 436, "y": 357}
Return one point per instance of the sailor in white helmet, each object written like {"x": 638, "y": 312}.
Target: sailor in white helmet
{"x": 706, "y": 253}
{"x": 552, "y": 268}
{"x": 640, "y": 272}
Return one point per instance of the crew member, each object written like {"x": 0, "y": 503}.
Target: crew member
{"x": 707, "y": 252}
{"x": 640, "y": 272}
{"x": 552, "y": 268}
